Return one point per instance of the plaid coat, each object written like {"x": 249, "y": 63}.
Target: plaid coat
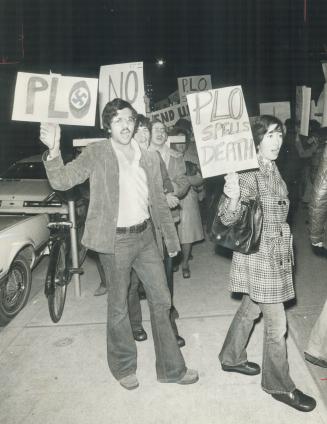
{"x": 267, "y": 274}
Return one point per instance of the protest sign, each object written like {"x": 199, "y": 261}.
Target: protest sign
{"x": 282, "y": 110}
{"x": 324, "y": 69}
{"x": 302, "y": 109}
{"x": 174, "y": 98}
{"x": 124, "y": 81}
{"x": 161, "y": 104}
{"x": 55, "y": 98}
{"x": 188, "y": 85}
{"x": 222, "y": 131}
{"x": 317, "y": 109}
{"x": 170, "y": 115}
{"x": 173, "y": 139}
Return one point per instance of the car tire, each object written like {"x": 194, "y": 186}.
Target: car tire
{"x": 15, "y": 290}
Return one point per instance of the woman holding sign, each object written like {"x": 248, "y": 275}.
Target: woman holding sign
{"x": 264, "y": 277}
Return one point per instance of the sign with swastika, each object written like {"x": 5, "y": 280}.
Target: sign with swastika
{"x": 55, "y": 98}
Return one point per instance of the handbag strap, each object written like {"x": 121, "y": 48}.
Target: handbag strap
{"x": 256, "y": 180}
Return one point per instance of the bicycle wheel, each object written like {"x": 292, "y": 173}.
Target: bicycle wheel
{"x": 15, "y": 290}
{"x": 57, "y": 296}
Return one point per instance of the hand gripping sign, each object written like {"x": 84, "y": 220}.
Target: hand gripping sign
{"x": 55, "y": 98}
{"x": 222, "y": 131}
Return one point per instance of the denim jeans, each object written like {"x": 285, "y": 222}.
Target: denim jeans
{"x": 275, "y": 368}
{"x": 134, "y": 304}
{"x": 317, "y": 345}
{"x": 139, "y": 251}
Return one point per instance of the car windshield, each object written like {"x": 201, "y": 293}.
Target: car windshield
{"x": 25, "y": 170}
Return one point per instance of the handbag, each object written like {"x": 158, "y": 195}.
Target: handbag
{"x": 243, "y": 235}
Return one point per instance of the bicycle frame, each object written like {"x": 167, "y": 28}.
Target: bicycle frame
{"x": 57, "y": 238}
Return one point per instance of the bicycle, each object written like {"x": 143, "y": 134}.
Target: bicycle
{"x": 60, "y": 269}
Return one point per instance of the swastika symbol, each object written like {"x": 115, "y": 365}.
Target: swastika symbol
{"x": 79, "y": 97}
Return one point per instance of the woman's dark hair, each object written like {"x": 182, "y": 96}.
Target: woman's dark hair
{"x": 111, "y": 110}
{"x": 142, "y": 121}
{"x": 261, "y": 125}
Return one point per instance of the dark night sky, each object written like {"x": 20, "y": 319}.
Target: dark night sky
{"x": 263, "y": 45}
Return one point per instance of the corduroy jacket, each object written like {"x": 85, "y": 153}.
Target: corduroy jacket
{"x": 99, "y": 164}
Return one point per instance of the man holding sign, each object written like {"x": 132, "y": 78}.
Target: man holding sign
{"x": 126, "y": 200}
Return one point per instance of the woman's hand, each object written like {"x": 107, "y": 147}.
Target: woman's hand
{"x": 50, "y": 136}
{"x": 172, "y": 200}
{"x": 232, "y": 186}
{"x": 232, "y": 190}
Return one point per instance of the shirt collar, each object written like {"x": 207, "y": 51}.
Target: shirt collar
{"x": 265, "y": 165}
{"x": 135, "y": 147}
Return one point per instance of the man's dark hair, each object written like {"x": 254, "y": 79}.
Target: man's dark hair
{"x": 142, "y": 121}
{"x": 111, "y": 110}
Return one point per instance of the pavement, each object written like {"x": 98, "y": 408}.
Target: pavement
{"x": 57, "y": 373}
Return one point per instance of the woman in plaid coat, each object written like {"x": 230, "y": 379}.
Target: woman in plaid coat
{"x": 265, "y": 277}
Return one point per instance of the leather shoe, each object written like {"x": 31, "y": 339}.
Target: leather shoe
{"x": 248, "y": 368}
{"x": 315, "y": 361}
{"x": 190, "y": 377}
{"x": 129, "y": 382}
{"x": 140, "y": 335}
{"x": 180, "y": 341}
{"x": 186, "y": 272}
{"x": 297, "y": 400}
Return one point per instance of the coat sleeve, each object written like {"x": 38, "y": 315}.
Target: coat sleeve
{"x": 248, "y": 189}
{"x": 166, "y": 182}
{"x": 63, "y": 177}
{"x": 318, "y": 204}
{"x": 180, "y": 181}
{"x": 166, "y": 223}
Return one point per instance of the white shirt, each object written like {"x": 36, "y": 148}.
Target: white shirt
{"x": 133, "y": 189}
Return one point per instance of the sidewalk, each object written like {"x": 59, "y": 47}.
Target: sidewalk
{"x": 57, "y": 373}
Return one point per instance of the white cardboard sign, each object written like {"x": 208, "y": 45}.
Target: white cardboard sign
{"x": 187, "y": 85}
{"x": 176, "y": 139}
{"x": 55, "y": 98}
{"x": 302, "y": 108}
{"x": 170, "y": 115}
{"x": 222, "y": 131}
{"x": 282, "y": 110}
{"x": 124, "y": 81}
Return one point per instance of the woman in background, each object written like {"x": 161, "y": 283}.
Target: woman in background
{"x": 190, "y": 227}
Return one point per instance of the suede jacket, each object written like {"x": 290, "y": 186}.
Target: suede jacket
{"x": 98, "y": 163}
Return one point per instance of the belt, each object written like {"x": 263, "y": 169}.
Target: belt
{"x": 133, "y": 229}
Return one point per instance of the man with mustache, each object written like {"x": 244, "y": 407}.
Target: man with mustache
{"x": 126, "y": 201}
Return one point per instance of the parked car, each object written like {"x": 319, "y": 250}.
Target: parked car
{"x": 23, "y": 241}
{"x": 24, "y": 185}
{"x": 26, "y": 204}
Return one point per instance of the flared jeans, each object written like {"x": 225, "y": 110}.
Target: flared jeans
{"x": 275, "y": 368}
{"x": 139, "y": 251}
